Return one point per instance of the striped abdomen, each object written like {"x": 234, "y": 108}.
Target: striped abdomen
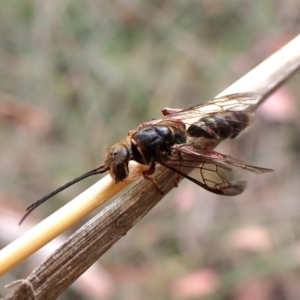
{"x": 220, "y": 126}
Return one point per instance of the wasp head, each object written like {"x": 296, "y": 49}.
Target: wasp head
{"x": 116, "y": 161}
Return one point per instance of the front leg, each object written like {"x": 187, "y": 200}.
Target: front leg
{"x": 147, "y": 173}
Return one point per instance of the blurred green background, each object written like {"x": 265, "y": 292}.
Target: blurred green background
{"x": 75, "y": 76}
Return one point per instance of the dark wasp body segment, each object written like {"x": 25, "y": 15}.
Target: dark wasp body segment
{"x": 220, "y": 126}
{"x": 149, "y": 141}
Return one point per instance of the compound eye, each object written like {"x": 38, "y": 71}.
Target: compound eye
{"x": 123, "y": 153}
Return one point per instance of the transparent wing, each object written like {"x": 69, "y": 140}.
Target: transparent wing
{"x": 233, "y": 102}
{"x": 214, "y": 177}
{"x": 209, "y": 169}
{"x": 191, "y": 152}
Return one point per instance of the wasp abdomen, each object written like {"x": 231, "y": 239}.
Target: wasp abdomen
{"x": 220, "y": 126}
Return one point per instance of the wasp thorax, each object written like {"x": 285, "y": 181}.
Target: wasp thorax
{"x": 116, "y": 160}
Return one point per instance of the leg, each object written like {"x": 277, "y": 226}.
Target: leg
{"x": 146, "y": 175}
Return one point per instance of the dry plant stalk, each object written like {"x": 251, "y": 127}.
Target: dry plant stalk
{"x": 93, "y": 239}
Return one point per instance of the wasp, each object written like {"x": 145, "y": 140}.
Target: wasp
{"x": 183, "y": 141}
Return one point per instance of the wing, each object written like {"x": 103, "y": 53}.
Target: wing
{"x": 201, "y": 154}
{"x": 214, "y": 177}
{"x": 233, "y": 102}
{"x": 209, "y": 169}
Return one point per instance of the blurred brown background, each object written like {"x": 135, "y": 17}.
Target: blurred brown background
{"x": 77, "y": 75}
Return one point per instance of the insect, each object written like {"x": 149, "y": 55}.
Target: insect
{"x": 182, "y": 141}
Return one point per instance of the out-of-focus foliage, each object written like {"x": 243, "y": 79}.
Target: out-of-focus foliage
{"x": 77, "y": 75}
